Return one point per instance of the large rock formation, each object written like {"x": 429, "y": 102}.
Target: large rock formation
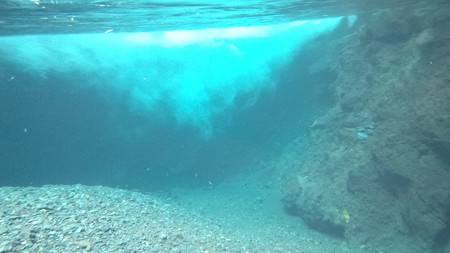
{"x": 377, "y": 171}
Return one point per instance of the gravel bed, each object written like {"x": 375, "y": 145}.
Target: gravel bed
{"x": 100, "y": 219}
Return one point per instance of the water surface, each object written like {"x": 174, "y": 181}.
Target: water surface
{"x": 93, "y": 16}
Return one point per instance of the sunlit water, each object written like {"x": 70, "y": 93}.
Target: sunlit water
{"x": 93, "y": 16}
{"x": 160, "y": 94}
{"x": 155, "y": 51}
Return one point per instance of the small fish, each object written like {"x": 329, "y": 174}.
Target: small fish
{"x": 109, "y": 30}
{"x": 12, "y": 78}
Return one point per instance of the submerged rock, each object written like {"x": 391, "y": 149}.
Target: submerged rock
{"x": 378, "y": 173}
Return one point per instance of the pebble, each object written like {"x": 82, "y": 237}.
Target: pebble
{"x": 84, "y": 244}
{"x": 102, "y": 219}
{"x": 3, "y": 230}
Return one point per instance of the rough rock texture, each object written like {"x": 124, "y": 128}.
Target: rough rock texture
{"x": 377, "y": 173}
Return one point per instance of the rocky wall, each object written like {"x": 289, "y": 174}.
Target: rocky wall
{"x": 377, "y": 171}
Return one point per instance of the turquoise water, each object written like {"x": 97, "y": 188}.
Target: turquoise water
{"x": 94, "y": 16}
{"x": 328, "y": 119}
{"x": 153, "y": 101}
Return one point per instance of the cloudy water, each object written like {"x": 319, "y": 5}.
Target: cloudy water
{"x": 224, "y": 126}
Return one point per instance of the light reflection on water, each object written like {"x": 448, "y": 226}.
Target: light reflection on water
{"x": 96, "y": 16}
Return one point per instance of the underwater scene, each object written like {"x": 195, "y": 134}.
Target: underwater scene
{"x": 187, "y": 126}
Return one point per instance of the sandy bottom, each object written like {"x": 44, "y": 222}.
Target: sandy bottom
{"x": 230, "y": 217}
